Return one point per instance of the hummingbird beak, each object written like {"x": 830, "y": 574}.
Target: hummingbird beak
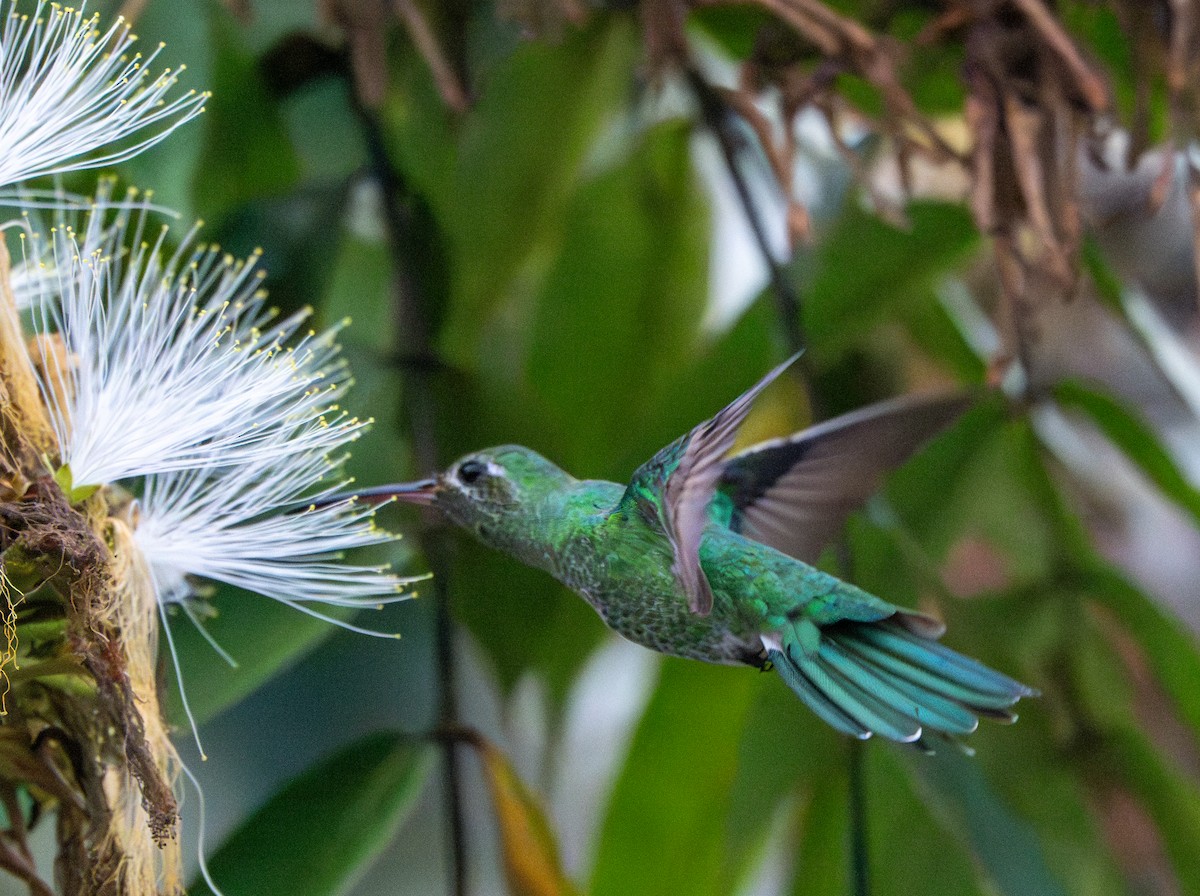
{"x": 421, "y": 491}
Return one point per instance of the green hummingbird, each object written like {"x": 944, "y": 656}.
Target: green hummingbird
{"x": 709, "y": 557}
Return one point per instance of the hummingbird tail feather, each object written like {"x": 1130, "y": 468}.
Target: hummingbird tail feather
{"x": 883, "y": 678}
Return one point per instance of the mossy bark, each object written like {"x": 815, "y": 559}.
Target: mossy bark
{"x": 83, "y": 735}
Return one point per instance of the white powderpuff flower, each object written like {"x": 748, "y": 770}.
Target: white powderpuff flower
{"x": 261, "y": 527}
{"x": 166, "y": 373}
{"x": 267, "y": 526}
{"x": 176, "y": 362}
{"x": 32, "y": 280}
{"x": 33, "y": 275}
{"x": 74, "y": 96}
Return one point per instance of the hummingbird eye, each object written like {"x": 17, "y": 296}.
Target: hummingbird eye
{"x": 469, "y": 471}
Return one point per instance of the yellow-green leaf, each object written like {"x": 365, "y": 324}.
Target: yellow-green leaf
{"x": 530, "y": 850}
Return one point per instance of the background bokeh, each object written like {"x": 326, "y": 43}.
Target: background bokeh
{"x": 559, "y": 257}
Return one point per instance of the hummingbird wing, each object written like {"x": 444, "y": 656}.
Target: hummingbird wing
{"x": 676, "y": 486}
{"x": 795, "y": 493}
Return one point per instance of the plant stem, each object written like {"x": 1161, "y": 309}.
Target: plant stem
{"x": 414, "y": 352}
{"x": 860, "y": 860}
{"x": 719, "y": 119}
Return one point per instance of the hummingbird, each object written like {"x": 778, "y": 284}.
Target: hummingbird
{"x": 710, "y": 557}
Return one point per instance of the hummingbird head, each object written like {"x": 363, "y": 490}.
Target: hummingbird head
{"x": 492, "y": 486}
{"x": 496, "y": 494}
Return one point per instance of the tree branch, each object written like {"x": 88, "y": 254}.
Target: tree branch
{"x": 413, "y": 349}
{"x": 718, "y": 118}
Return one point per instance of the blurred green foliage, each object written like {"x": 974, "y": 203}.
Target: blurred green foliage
{"x": 559, "y": 236}
{"x": 360, "y": 797}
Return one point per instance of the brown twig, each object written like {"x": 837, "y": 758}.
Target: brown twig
{"x": 780, "y": 158}
{"x": 1091, "y": 86}
{"x": 833, "y": 33}
{"x": 1179, "y": 46}
{"x": 983, "y": 120}
{"x": 743, "y": 105}
{"x": 365, "y": 25}
{"x": 717, "y": 117}
{"x": 15, "y": 855}
{"x": 1193, "y": 193}
{"x": 448, "y": 84}
{"x": 1025, "y": 129}
{"x": 1013, "y": 311}
{"x": 17, "y": 862}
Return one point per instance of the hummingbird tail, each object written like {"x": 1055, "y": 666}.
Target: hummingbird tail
{"x": 882, "y": 678}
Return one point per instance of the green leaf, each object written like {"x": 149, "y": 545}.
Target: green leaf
{"x": 784, "y": 749}
{"x": 75, "y": 493}
{"x": 1030, "y": 771}
{"x": 626, "y": 292}
{"x": 664, "y": 829}
{"x": 1169, "y": 795}
{"x": 1114, "y": 751}
{"x": 263, "y": 636}
{"x": 420, "y": 132}
{"x": 1027, "y": 768}
{"x": 861, "y": 94}
{"x": 523, "y": 618}
{"x": 1170, "y": 648}
{"x": 1005, "y": 845}
{"x": 324, "y": 828}
{"x": 294, "y": 235}
{"x": 1134, "y": 438}
{"x": 738, "y": 28}
{"x": 1122, "y": 47}
{"x": 934, "y": 74}
{"x": 1040, "y": 633}
{"x": 324, "y": 132}
{"x": 936, "y": 334}
{"x": 822, "y": 862}
{"x": 171, "y": 169}
{"x": 528, "y": 843}
{"x": 521, "y": 154}
{"x": 986, "y": 472}
{"x": 703, "y": 384}
{"x": 1108, "y": 285}
{"x": 908, "y": 851}
{"x": 866, "y": 270}
{"x": 247, "y": 152}
{"x": 360, "y": 275}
